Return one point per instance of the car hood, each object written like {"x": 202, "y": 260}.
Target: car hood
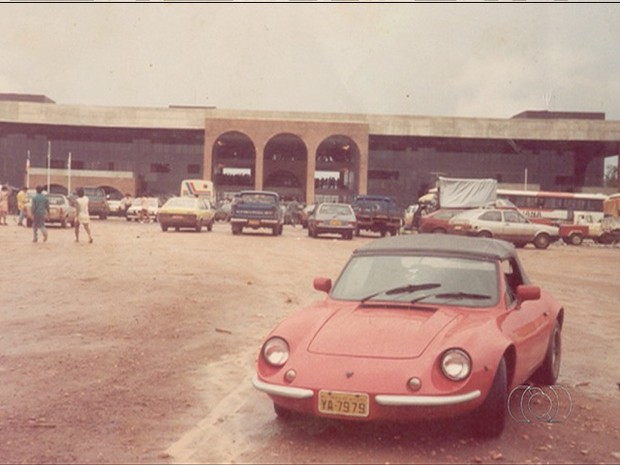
{"x": 380, "y": 331}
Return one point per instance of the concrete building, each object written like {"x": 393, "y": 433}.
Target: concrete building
{"x": 310, "y": 156}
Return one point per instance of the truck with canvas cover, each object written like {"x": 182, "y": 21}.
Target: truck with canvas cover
{"x": 466, "y": 193}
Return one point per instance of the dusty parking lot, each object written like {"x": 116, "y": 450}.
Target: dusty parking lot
{"x": 139, "y": 348}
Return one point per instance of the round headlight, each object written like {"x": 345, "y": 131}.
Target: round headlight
{"x": 455, "y": 364}
{"x": 275, "y": 351}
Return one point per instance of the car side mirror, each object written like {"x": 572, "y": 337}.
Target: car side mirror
{"x": 528, "y": 292}
{"x": 323, "y": 284}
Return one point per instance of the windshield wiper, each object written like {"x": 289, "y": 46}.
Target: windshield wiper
{"x": 452, "y": 295}
{"x": 409, "y": 288}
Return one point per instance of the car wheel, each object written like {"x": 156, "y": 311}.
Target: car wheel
{"x": 549, "y": 371}
{"x": 486, "y": 234}
{"x": 63, "y": 223}
{"x": 282, "y": 412}
{"x": 236, "y": 229}
{"x": 542, "y": 241}
{"x": 576, "y": 239}
{"x": 490, "y": 418}
{"x": 358, "y": 232}
{"x": 198, "y": 226}
{"x": 177, "y": 229}
{"x": 439, "y": 231}
{"x": 210, "y": 226}
{"x": 309, "y": 232}
{"x": 164, "y": 228}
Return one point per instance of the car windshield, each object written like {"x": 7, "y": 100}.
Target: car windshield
{"x": 336, "y": 210}
{"x": 54, "y": 200}
{"x": 426, "y": 279}
{"x": 184, "y": 202}
{"x": 258, "y": 198}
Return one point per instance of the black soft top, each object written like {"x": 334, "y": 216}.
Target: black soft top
{"x": 441, "y": 244}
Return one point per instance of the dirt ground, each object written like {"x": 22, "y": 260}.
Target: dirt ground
{"x": 140, "y": 348}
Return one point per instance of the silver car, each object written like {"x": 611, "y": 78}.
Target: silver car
{"x": 332, "y": 218}
{"x": 507, "y": 224}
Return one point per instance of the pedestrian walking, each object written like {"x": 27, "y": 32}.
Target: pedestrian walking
{"x": 83, "y": 217}
{"x": 4, "y": 205}
{"x": 22, "y": 205}
{"x": 126, "y": 203}
{"x": 40, "y": 209}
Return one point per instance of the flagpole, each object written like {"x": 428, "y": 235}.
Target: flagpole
{"x": 69, "y": 168}
{"x": 49, "y": 163}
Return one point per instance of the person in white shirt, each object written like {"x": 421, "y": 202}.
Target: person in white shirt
{"x": 83, "y": 216}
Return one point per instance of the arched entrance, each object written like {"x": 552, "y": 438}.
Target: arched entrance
{"x": 234, "y": 164}
{"x": 285, "y": 164}
{"x": 337, "y": 161}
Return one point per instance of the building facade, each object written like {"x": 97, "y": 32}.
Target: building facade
{"x": 307, "y": 156}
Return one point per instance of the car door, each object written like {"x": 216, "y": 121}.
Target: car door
{"x": 526, "y": 324}
{"x": 517, "y": 227}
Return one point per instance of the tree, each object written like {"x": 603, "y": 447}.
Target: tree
{"x": 611, "y": 176}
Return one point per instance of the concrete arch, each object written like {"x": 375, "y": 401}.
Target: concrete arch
{"x": 234, "y": 163}
{"x": 285, "y": 162}
{"x": 337, "y": 161}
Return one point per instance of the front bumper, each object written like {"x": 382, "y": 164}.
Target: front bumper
{"x": 387, "y": 400}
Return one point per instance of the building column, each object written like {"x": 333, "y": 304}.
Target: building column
{"x": 259, "y": 164}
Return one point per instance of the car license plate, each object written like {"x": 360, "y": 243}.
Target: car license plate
{"x": 254, "y": 223}
{"x": 335, "y": 223}
{"x": 344, "y": 403}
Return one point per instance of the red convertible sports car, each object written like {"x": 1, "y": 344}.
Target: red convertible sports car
{"x": 414, "y": 328}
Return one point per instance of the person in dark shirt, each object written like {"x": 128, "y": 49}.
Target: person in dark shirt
{"x": 40, "y": 206}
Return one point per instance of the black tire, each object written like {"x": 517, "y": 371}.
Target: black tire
{"x": 490, "y": 418}
{"x": 357, "y": 232}
{"x": 575, "y": 239}
{"x": 282, "y": 412}
{"x": 177, "y": 229}
{"x": 542, "y": 241}
{"x": 486, "y": 234}
{"x": 236, "y": 229}
{"x": 210, "y": 226}
{"x": 548, "y": 372}
{"x": 164, "y": 228}
{"x": 198, "y": 226}
{"x": 63, "y": 223}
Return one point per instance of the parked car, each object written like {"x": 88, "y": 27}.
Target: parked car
{"x": 416, "y": 327}
{"x": 257, "y": 209}
{"x": 438, "y": 221}
{"x": 332, "y": 218}
{"x": 377, "y": 213}
{"x": 306, "y": 211}
{"x": 61, "y": 211}
{"x": 222, "y": 212}
{"x": 508, "y": 224}
{"x": 97, "y": 202}
{"x": 186, "y": 212}
{"x": 133, "y": 212}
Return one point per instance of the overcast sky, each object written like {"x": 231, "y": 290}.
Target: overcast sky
{"x": 449, "y": 59}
